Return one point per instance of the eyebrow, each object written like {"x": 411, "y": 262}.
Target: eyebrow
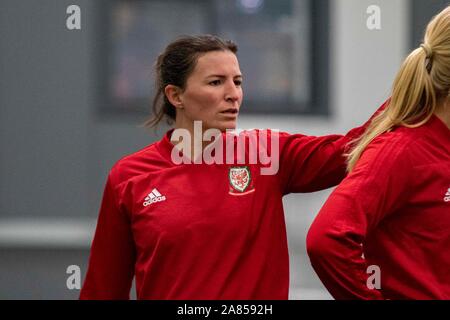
{"x": 222, "y": 76}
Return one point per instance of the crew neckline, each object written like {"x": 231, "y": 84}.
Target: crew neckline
{"x": 165, "y": 147}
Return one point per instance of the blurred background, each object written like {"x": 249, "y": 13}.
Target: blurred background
{"x": 71, "y": 102}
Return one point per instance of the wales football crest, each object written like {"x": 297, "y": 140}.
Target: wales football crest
{"x": 240, "y": 179}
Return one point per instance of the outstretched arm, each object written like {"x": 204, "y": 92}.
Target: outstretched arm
{"x": 309, "y": 163}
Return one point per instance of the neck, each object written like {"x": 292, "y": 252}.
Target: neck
{"x": 194, "y": 138}
{"x": 443, "y": 112}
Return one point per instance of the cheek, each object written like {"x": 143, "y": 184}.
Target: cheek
{"x": 207, "y": 101}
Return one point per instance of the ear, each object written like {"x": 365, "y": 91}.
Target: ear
{"x": 173, "y": 94}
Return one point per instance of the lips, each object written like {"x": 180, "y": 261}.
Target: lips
{"x": 230, "y": 111}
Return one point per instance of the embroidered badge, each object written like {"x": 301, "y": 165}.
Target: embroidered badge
{"x": 240, "y": 180}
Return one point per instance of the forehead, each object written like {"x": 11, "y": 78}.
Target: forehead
{"x": 217, "y": 63}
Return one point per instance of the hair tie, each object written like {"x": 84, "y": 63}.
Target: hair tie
{"x": 427, "y": 49}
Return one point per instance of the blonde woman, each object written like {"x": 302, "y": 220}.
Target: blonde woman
{"x": 389, "y": 220}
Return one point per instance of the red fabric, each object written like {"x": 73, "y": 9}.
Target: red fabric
{"x": 203, "y": 241}
{"x": 390, "y": 212}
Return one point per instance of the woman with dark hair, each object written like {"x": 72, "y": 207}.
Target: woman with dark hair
{"x": 190, "y": 228}
{"x": 391, "y": 214}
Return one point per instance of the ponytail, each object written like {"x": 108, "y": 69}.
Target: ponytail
{"x": 422, "y": 80}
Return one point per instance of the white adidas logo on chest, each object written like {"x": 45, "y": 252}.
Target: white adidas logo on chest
{"x": 447, "y": 196}
{"x": 152, "y": 197}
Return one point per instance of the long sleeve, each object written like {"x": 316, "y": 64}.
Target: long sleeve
{"x": 309, "y": 163}
{"x": 112, "y": 257}
{"x": 373, "y": 190}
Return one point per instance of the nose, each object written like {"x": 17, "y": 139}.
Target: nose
{"x": 233, "y": 92}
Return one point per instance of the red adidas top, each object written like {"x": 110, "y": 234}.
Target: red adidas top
{"x": 393, "y": 212}
{"x": 198, "y": 231}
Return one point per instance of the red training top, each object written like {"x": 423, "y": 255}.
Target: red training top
{"x": 199, "y": 231}
{"x": 395, "y": 208}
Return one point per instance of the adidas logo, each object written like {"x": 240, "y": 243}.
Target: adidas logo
{"x": 447, "y": 196}
{"x": 153, "y": 197}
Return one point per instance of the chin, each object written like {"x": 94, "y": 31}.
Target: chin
{"x": 228, "y": 127}
{"x": 223, "y": 126}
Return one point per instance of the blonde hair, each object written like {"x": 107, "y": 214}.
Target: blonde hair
{"x": 422, "y": 81}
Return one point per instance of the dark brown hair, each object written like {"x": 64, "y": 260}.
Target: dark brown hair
{"x": 174, "y": 66}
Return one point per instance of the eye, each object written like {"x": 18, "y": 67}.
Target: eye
{"x": 215, "y": 82}
{"x": 238, "y": 82}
